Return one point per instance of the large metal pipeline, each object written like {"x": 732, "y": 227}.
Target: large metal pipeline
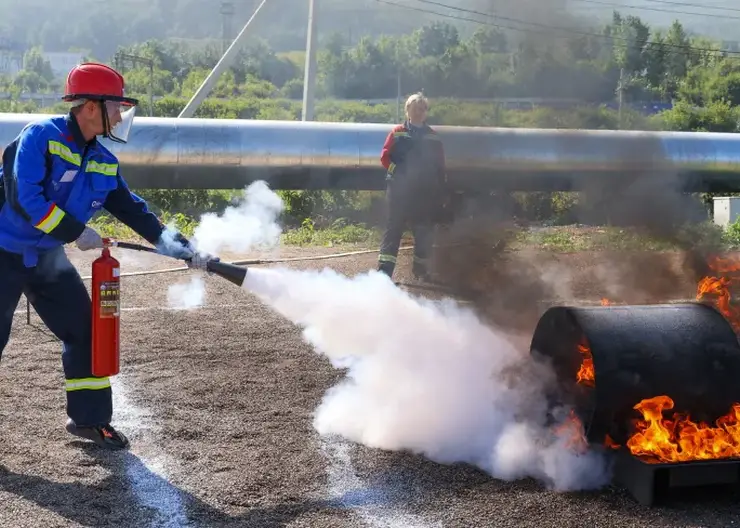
{"x": 231, "y": 153}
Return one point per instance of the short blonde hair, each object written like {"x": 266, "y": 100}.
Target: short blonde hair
{"x": 417, "y": 99}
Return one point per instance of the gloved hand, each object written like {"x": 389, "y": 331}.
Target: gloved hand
{"x": 177, "y": 246}
{"x": 89, "y": 239}
{"x": 195, "y": 259}
{"x": 198, "y": 260}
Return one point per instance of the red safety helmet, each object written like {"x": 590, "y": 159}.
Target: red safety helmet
{"x": 98, "y": 82}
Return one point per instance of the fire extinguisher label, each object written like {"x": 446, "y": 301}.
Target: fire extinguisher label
{"x": 110, "y": 299}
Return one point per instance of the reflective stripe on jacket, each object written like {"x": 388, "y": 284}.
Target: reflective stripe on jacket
{"x": 55, "y": 182}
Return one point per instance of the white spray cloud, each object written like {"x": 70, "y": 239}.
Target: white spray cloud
{"x": 251, "y": 223}
{"x": 426, "y": 377}
{"x": 181, "y": 296}
{"x": 187, "y": 296}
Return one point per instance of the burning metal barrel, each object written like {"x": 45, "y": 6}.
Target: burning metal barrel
{"x": 660, "y": 384}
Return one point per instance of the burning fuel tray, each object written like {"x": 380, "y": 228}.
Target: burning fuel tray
{"x": 645, "y": 480}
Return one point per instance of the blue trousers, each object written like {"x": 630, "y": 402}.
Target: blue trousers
{"x": 57, "y": 293}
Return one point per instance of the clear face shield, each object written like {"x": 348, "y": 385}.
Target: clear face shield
{"x": 118, "y": 119}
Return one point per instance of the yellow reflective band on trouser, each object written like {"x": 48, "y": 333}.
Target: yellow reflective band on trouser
{"x": 49, "y": 222}
{"x": 391, "y": 168}
{"x": 109, "y": 169}
{"x": 386, "y": 258}
{"x": 60, "y": 149}
{"x": 77, "y": 384}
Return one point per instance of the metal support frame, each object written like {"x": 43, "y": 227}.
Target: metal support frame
{"x": 227, "y": 13}
{"x": 120, "y": 59}
{"x": 223, "y": 64}
{"x": 649, "y": 482}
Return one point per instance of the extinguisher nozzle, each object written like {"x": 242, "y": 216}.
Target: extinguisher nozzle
{"x": 230, "y": 272}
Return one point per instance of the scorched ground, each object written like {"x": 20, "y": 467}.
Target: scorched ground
{"x": 223, "y": 397}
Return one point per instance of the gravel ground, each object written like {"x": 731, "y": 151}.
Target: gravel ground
{"x": 218, "y": 403}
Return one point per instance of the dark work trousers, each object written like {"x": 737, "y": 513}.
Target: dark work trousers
{"x": 405, "y": 212}
{"x": 57, "y": 293}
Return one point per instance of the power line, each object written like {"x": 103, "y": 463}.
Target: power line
{"x": 571, "y": 31}
{"x": 646, "y": 8}
{"x": 698, "y": 6}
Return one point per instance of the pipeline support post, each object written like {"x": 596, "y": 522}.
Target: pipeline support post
{"x": 309, "y": 77}
{"x": 223, "y": 64}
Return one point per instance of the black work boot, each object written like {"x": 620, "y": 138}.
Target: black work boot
{"x": 387, "y": 268}
{"x": 103, "y": 435}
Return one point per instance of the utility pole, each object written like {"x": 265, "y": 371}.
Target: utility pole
{"x": 120, "y": 59}
{"x": 222, "y": 65}
{"x": 398, "y": 96}
{"x": 620, "y": 89}
{"x": 227, "y": 14}
{"x": 309, "y": 76}
{"x": 398, "y": 86}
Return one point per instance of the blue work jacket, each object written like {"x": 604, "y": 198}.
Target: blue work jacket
{"x": 55, "y": 182}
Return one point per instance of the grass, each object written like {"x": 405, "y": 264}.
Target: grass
{"x": 588, "y": 238}
{"x": 572, "y": 238}
{"x": 339, "y": 233}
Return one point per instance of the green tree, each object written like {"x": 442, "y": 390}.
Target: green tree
{"x": 435, "y": 39}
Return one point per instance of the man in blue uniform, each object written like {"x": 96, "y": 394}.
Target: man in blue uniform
{"x": 56, "y": 177}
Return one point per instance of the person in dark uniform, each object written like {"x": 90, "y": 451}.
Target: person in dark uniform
{"x": 414, "y": 159}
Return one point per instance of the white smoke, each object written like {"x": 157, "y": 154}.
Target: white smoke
{"x": 251, "y": 223}
{"x": 426, "y": 377}
{"x": 186, "y": 296}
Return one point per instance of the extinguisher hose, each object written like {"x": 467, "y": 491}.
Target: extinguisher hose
{"x": 137, "y": 247}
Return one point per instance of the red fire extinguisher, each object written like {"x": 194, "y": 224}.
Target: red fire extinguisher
{"x": 106, "y": 304}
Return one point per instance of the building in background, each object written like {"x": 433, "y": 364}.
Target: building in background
{"x": 11, "y": 57}
{"x": 10, "y": 63}
{"x": 63, "y": 61}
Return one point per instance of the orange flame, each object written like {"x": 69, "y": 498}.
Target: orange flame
{"x": 724, "y": 264}
{"x": 572, "y": 430}
{"x": 675, "y": 439}
{"x": 720, "y": 289}
{"x": 611, "y": 444}
{"x": 586, "y": 375}
{"x": 679, "y": 439}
